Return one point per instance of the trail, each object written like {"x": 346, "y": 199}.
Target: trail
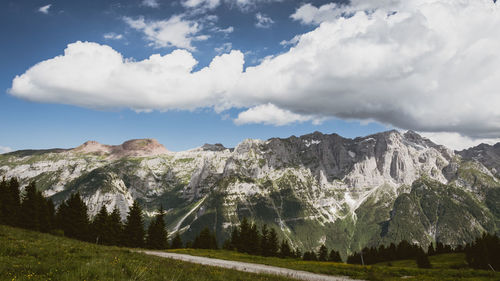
{"x": 250, "y": 267}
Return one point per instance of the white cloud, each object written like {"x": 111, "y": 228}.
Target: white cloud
{"x": 150, "y": 3}
{"x": 424, "y": 65}
{"x": 263, "y": 21}
{"x": 224, "y": 48}
{"x": 269, "y": 114}
{"x": 457, "y": 141}
{"x": 112, "y": 36}
{"x": 44, "y": 9}
{"x": 431, "y": 66}
{"x": 96, "y": 76}
{"x": 201, "y": 4}
{"x": 5, "y": 149}
{"x": 309, "y": 14}
{"x": 174, "y": 32}
{"x": 227, "y": 30}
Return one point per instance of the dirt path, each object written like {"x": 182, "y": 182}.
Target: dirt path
{"x": 250, "y": 267}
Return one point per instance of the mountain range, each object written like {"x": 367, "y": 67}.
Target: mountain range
{"x": 313, "y": 189}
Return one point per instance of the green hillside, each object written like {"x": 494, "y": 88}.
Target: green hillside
{"x": 28, "y": 255}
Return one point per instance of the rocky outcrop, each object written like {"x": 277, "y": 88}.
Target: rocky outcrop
{"x": 317, "y": 188}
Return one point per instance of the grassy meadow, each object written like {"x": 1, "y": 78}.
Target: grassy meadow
{"x": 28, "y": 255}
{"x": 445, "y": 267}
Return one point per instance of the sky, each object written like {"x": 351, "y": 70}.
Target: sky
{"x": 189, "y": 72}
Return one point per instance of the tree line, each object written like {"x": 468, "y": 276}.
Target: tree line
{"x": 31, "y": 210}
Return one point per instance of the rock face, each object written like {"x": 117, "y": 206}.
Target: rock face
{"x": 314, "y": 189}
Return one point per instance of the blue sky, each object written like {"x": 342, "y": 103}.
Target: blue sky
{"x": 335, "y": 76}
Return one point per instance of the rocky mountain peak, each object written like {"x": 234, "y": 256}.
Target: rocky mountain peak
{"x": 135, "y": 147}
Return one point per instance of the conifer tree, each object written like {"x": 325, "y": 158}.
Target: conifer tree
{"x": 177, "y": 241}
{"x": 422, "y": 259}
{"x": 273, "y": 243}
{"x": 244, "y": 239}
{"x": 430, "y": 250}
{"x": 30, "y": 208}
{"x": 133, "y": 235}
{"x": 157, "y": 233}
{"x": 73, "y": 219}
{"x": 114, "y": 227}
{"x": 254, "y": 240}
{"x": 264, "y": 241}
{"x": 334, "y": 256}
{"x": 235, "y": 240}
{"x": 100, "y": 227}
{"x": 285, "y": 250}
{"x": 323, "y": 253}
{"x": 205, "y": 240}
{"x": 10, "y": 206}
{"x": 3, "y": 194}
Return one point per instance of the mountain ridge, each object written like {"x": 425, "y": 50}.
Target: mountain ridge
{"x": 316, "y": 188}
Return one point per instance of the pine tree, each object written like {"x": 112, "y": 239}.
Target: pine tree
{"x": 205, "y": 240}
{"x": 30, "y": 208}
{"x": 244, "y": 239}
{"x": 273, "y": 243}
{"x": 177, "y": 241}
{"x": 3, "y": 193}
{"x": 115, "y": 228}
{"x": 73, "y": 219}
{"x": 46, "y": 215}
{"x": 298, "y": 253}
{"x": 334, "y": 256}
{"x": 323, "y": 253}
{"x": 430, "y": 250}
{"x": 234, "y": 242}
{"x": 254, "y": 240}
{"x": 264, "y": 241}
{"x": 285, "y": 250}
{"x": 10, "y": 206}
{"x": 157, "y": 233}
{"x": 423, "y": 260}
{"x": 133, "y": 235}
{"x": 99, "y": 227}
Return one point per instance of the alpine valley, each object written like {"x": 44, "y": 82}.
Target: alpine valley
{"x": 314, "y": 189}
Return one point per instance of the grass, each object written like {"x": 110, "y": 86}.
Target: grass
{"x": 446, "y": 267}
{"x": 27, "y": 255}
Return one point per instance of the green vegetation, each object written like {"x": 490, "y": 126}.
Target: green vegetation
{"x": 444, "y": 267}
{"x": 28, "y": 255}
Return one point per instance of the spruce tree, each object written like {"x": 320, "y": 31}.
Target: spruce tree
{"x": 264, "y": 241}
{"x": 157, "y": 233}
{"x": 30, "y": 208}
{"x": 133, "y": 234}
{"x": 285, "y": 250}
{"x": 100, "y": 227}
{"x": 244, "y": 239}
{"x": 254, "y": 240}
{"x": 422, "y": 259}
{"x": 205, "y": 240}
{"x": 114, "y": 227}
{"x": 177, "y": 241}
{"x": 11, "y": 204}
{"x": 273, "y": 243}
{"x": 73, "y": 219}
{"x": 46, "y": 214}
{"x": 430, "y": 250}
{"x": 3, "y": 194}
{"x": 334, "y": 256}
{"x": 323, "y": 253}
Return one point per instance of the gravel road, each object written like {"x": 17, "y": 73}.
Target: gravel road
{"x": 250, "y": 267}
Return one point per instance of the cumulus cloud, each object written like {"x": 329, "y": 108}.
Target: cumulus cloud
{"x": 201, "y": 4}
{"x": 224, "y": 48}
{"x": 96, "y": 76}
{"x": 44, "y": 9}
{"x": 150, "y": 3}
{"x": 5, "y": 149}
{"x": 457, "y": 141}
{"x": 424, "y": 65}
{"x": 309, "y": 14}
{"x": 269, "y": 114}
{"x": 263, "y": 21}
{"x": 174, "y": 32}
{"x": 112, "y": 36}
